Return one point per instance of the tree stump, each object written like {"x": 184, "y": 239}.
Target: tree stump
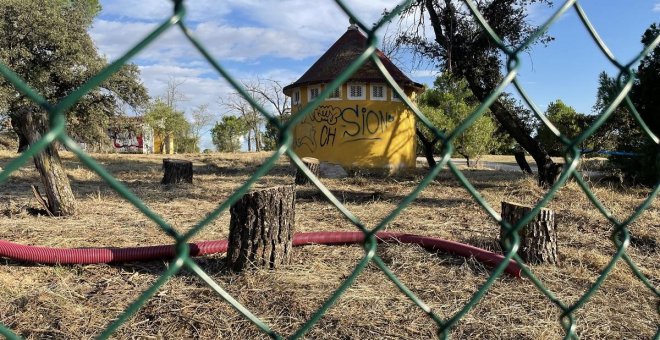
{"x": 176, "y": 171}
{"x": 538, "y": 239}
{"x": 313, "y": 164}
{"x": 261, "y": 229}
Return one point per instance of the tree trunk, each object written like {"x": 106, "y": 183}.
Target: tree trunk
{"x": 522, "y": 162}
{"x": 261, "y": 229}
{"x": 428, "y": 147}
{"x": 257, "y": 139}
{"x": 481, "y": 70}
{"x": 467, "y": 158}
{"x": 249, "y": 140}
{"x": 61, "y": 201}
{"x": 538, "y": 239}
{"x": 177, "y": 171}
{"x": 22, "y": 143}
{"x": 314, "y": 166}
{"x": 547, "y": 170}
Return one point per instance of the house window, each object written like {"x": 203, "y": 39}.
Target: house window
{"x": 313, "y": 93}
{"x": 378, "y": 92}
{"x": 356, "y": 91}
{"x": 296, "y": 97}
{"x": 336, "y": 94}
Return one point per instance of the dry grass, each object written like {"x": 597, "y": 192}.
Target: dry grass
{"x": 38, "y": 301}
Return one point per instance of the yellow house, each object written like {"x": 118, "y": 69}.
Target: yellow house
{"x": 362, "y": 124}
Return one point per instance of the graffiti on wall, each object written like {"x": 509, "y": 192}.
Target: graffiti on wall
{"x": 127, "y": 141}
{"x": 328, "y": 126}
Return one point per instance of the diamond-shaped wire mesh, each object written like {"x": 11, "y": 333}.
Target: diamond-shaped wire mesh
{"x": 620, "y": 235}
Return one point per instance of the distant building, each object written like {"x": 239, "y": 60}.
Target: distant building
{"x": 363, "y": 123}
{"x": 131, "y": 135}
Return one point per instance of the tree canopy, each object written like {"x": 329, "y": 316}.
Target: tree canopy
{"x": 447, "y": 33}
{"x": 622, "y": 130}
{"x": 568, "y": 121}
{"x": 227, "y": 132}
{"x": 646, "y": 91}
{"x": 47, "y": 44}
{"x": 448, "y": 104}
{"x": 201, "y": 118}
{"x": 170, "y": 124}
{"x": 270, "y": 93}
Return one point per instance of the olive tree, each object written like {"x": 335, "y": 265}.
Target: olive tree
{"x": 47, "y": 44}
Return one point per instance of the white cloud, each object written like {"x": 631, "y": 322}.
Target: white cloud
{"x": 248, "y": 43}
{"x": 194, "y": 86}
{"x": 232, "y": 30}
{"x": 142, "y": 10}
{"x": 225, "y": 42}
{"x": 656, "y": 7}
{"x": 245, "y": 34}
{"x": 114, "y": 38}
{"x": 323, "y": 22}
{"x": 425, "y": 73}
{"x": 159, "y": 10}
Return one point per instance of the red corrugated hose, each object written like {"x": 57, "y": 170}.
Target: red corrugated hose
{"x": 48, "y": 255}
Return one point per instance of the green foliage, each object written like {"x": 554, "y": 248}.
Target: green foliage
{"x": 646, "y": 96}
{"x": 272, "y": 133}
{"x": 625, "y": 132}
{"x": 644, "y": 167}
{"x": 164, "y": 119}
{"x": 448, "y": 104}
{"x": 568, "y": 121}
{"x": 170, "y": 123}
{"x": 446, "y": 33}
{"x": 620, "y": 132}
{"x": 88, "y": 9}
{"x": 48, "y": 45}
{"x": 186, "y": 143}
{"x": 507, "y": 145}
{"x": 646, "y": 91}
{"x": 226, "y": 133}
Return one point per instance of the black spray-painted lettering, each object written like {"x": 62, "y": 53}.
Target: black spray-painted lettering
{"x": 354, "y": 124}
{"x": 327, "y": 135}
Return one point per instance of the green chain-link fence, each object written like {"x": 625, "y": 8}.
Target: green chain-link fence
{"x": 620, "y": 235}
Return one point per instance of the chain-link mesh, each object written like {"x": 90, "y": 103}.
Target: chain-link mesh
{"x": 620, "y": 235}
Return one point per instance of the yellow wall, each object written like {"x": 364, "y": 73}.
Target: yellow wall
{"x": 163, "y": 144}
{"x": 357, "y": 133}
{"x": 158, "y": 143}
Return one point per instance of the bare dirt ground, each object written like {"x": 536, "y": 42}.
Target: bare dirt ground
{"x": 79, "y": 301}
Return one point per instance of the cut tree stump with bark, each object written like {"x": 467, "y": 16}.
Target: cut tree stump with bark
{"x": 314, "y": 166}
{"x": 538, "y": 239}
{"x": 261, "y": 229}
{"x": 176, "y": 171}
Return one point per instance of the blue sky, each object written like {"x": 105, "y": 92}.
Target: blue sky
{"x": 568, "y": 68}
{"x": 280, "y": 39}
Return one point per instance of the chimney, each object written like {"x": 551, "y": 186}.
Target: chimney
{"x": 353, "y": 26}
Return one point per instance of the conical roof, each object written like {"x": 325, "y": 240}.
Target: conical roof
{"x": 344, "y": 51}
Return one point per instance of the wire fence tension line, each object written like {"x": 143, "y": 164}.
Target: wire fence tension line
{"x": 620, "y": 235}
